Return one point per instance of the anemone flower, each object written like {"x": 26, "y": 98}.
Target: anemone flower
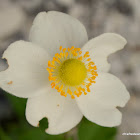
{"x": 63, "y": 75}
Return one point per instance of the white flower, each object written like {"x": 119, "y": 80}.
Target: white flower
{"x": 61, "y": 81}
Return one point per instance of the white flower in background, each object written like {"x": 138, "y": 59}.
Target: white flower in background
{"x": 12, "y": 19}
{"x": 65, "y": 76}
{"x": 66, "y": 2}
{"x": 30, "y": 5}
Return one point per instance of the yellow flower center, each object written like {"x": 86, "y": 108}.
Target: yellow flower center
{"x": 72, "y": 72}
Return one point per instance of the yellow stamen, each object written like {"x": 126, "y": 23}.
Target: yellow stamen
{"x": 72, "y": 96}
{"x": 88, "y": 59}
{"x": 80, "y": 52}
{"x": 80, "y": 58}
{"x": 71, "y": 72}
{"x": 69, "y": 91}
{"x": 85, "y": 93}
{"x": 87, "y": 53}
{"x": 60, "y": 48}
{"x": 64, "y": 49}
{"x": 53, "y": 85}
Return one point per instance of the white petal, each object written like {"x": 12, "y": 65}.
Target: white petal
{"x": 100, "y": 104}
{"x": 62, "y": 112}
{"x": 54, "y": 29}
{"x": 26, "y": 75}
{"x": 101, "y": 47}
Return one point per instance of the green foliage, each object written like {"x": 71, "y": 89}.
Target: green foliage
{"x": 43, "y": 124}
{"x": 91, "y": 131}
{"x": 18, "y": 104}
{"x": 3, "y": 135}
{"x": 23, "y": 131}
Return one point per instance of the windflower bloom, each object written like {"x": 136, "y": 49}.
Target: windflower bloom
{"x": 65, "y": 76}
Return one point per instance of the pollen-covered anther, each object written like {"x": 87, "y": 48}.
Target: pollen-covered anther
{"x": 88, "y": 89}
{"x": 69, "y": 91}
{"x": 53, "y": 84}
{"x": 80, "y": 58}
{"x": 72, "y": 72}
{"x": 88, "y": 59}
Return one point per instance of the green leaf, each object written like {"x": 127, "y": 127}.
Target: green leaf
{"x": 3, "y": 135}
{"x": 91, "y": 131}
{"x": 70, "y": 138}
{"x": 18, "y": 104}
{"x": 43, "y": 124}
{"x": 32, "y": 133}
{"x": 23, "y": 131}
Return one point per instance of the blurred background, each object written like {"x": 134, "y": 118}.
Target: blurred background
{"x": 98, "y": 16}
